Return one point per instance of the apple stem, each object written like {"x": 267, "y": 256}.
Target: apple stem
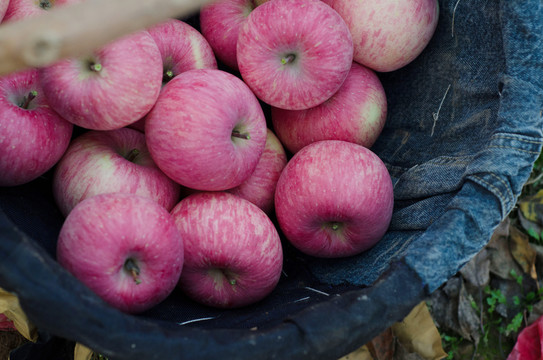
{"x": 288, "y": 59}
{"x": 132, "y": 155}
{"x": 25, "y": 103}
{"x": 134, "y": 270}
{"x": 240, "y": 135}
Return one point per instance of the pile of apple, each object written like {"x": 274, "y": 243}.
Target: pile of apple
{"x": 176, "y": 171}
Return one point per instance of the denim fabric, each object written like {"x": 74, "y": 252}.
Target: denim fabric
{"x": 463, "y": 130}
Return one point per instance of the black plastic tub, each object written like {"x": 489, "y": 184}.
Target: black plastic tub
{"x": 464, "y": 128}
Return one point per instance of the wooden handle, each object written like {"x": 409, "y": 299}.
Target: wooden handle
{"x": 78, "y": 29}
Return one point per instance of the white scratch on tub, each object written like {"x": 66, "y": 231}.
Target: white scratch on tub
{"x": 436, "y": 114}
{"x": 317, "y": 291}
{"x": 195, "y": 320}
{"x": 302, "y": 299}
{"x": 453, "y": 15}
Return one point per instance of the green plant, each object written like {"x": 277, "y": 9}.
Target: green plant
{"x": 450, "y": 344}
{"x": 96, "y": 356}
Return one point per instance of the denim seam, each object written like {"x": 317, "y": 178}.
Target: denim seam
{"x": 505, "y": 184}
{"x": 404, "y": 245}
{"x": 508, "y": 137}
{"x": 492, "y": 188}
{"x": 514, "y": 148}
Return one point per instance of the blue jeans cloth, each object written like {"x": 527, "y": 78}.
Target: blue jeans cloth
{"x": 463, "y": 131}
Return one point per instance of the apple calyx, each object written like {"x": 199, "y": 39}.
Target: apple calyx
{"x": 25, "y": 102}
{"x": 133, "y": 269}
{"x": 288, "y": 59}
{"x": 221, "y": 274}
{"x": 45, "y": 4}
{"x": 132, "y": 155}
{"x": 167, "y": 75}
{"x": 333, "y": 225}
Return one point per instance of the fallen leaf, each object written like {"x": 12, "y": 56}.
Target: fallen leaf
{"x": 537, "y": 312}
{"x": 529, "y": 344}
{"x": 468, "y": 319}
{"x": 477, "y": 270}
{"x": 522, "y": 251}
{"x": 501, "y": 259}
{"x": 444, "y": 305}
{"x": 382, "y": 346}
{"x": 531, "y": 207}
{"x": 81, "y": 352}
{"x": 401, "y": 353}
{"x": 534, "y": 229}
{"x": 9, "y": 306}
{"x": 418, "y": 334}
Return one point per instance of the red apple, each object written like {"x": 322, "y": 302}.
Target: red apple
{"x": 259, "y": 188}
{"x": 99, "y": 162}
{"x": 207, "y": 130}
{"x": 388, "y": 34}
{"x": 233, "y": 253}
{"x": 220, "y": 22}
{"x": 182, "y": 48}
{"x": 3, "y": 8}
{"x": 33, "y": 137}
{"x": 124, "y": 247}
{"x": 356, "y": 113}
{"x": 20, "y": 9}
{"x": 334, "y": 199}
{"x": 113, "y": 87}
{"x": 294, "y": 54}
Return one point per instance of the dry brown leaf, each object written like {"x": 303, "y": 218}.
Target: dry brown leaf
{"x": 468, "y": 319}
{"x": 362, "y": 353}
{"x": 523, "y": 253}
{"x": 530, "y": 214}
{"x": 81, "y": 352}
{"x": 9, "y": 306}
{"x": 444, "y": 305}
{"x": 418, "y": 334}
{"x": 501, "y": 259}
{"x": 532, "y": 207}
{"x": 477, "y": 270}
{"x": 382, "y": 346}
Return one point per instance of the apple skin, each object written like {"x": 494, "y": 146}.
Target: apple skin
{"x": 103, "y": 232}
{"x": 233, "y": 253}
{"x": 6, "y": 324}
{"x": 32, "y": 139}
{"x": 334, "y": 199}
{"x": 190, "y": 130}
{"x": 99, "y": 162}
{"x": 182, "y": 48}
{"x": 388, "y": 34}
{"x": 3, "y": 7}
{"x": 294, "y": 54}
{"x": 121, "y": 91}
{"x": 20, "y": 9}
{"x": 220, "y": 22}
{"x": 259, "y": 188}
{"x": 356, "y": 113}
